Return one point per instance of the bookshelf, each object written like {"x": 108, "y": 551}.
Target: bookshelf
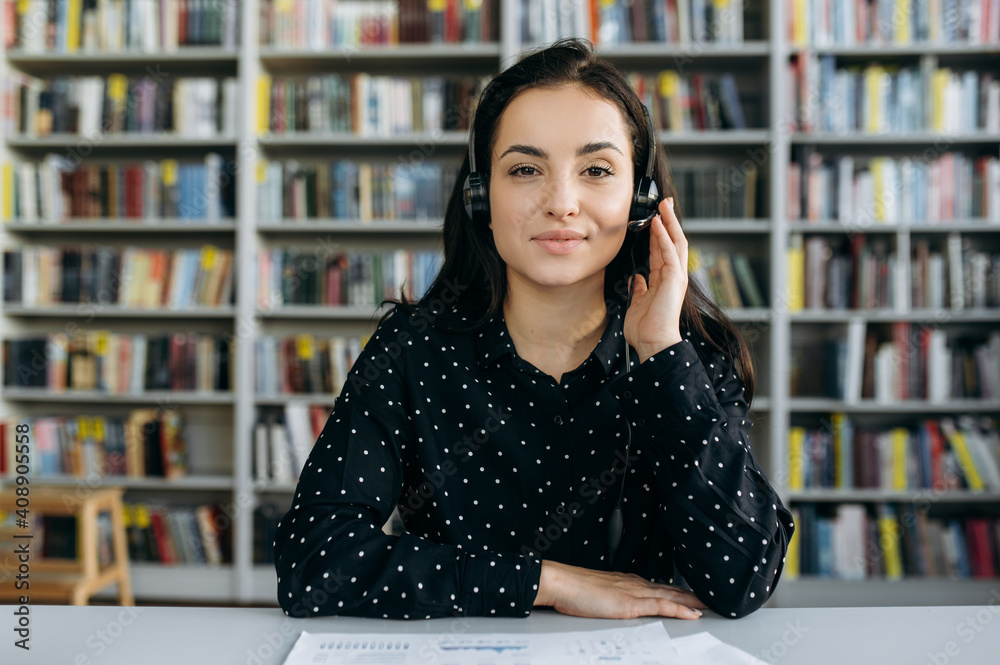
{"x": 222, "y": 425}
{"x": 209, "y": 415}
{"x": 902, "y": 236}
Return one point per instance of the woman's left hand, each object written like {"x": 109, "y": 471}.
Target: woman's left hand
{"x": 652, "y": 322}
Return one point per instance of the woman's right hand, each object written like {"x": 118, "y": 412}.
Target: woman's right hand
{"x": 583, "y": 592}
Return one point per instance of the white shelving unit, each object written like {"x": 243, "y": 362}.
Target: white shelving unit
{"x": 814, "y": 591}
{"x": 211, "y": 427}
{"x": 225, "y": 476}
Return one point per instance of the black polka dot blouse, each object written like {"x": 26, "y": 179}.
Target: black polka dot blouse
{"x": 494, "y": 467}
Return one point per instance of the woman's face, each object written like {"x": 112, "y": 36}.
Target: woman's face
{"x": 560, "y": 187}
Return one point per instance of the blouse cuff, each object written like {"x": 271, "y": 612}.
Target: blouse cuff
{"x": 669, "y": 393}
{"x": 498, "y": 584}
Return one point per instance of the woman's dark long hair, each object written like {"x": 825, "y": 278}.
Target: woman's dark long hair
{"x": 473, "y": 278}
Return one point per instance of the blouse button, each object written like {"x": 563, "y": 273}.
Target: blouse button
{"x": 560, "y": 509}
{"x": 640, "y": 422}
{"x": 557, "y": 420}
{"x": 627, "y": 394}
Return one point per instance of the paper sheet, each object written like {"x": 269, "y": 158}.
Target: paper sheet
{"x": 706, "y": 649}
{"x": 641, "y": 645}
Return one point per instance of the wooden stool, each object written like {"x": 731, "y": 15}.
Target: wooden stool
{"x": 77, "y": 580}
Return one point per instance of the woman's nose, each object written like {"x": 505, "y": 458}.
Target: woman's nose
{"x": 561, "y": 198}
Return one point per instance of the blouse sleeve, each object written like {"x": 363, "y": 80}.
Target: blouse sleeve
{"x": 730, "y": 529}
{"x": 330, "y": 552}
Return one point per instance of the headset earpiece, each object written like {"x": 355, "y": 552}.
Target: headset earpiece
{"x": 644, "y": 203}
{"x": 647, "y": 195}
{"x": 475, "y": 193}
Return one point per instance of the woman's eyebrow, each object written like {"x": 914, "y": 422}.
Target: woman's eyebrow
{"x": 587, "y": 149}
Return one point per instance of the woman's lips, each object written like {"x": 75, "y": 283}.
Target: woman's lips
{"x": 559, "y": 241}
{"x": 558, "y": 245}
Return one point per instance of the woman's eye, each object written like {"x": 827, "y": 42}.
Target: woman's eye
{"x": 598, "y": 171}
{"x": 520, "y": 171}
{"x": 593, "y": 171}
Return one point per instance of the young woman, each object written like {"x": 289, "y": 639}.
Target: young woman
{"x": 546, "y": 441}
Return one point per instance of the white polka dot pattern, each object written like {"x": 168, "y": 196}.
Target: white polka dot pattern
{"x": 495, "y": 466}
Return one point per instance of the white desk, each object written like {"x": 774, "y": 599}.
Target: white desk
{"x": 62, "y": 635}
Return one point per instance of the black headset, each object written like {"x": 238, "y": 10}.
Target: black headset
{"x": 476, "y": 193}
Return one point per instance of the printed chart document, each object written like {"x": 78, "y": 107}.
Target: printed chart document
{"x": 639, "y": 645}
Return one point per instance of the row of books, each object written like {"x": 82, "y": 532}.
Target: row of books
{"x": 896, "y": 362}
{"x": 39, "y": 275}
{"x": 148, "y": 443}
{"x": 729, "y": 280}
{"x": 55, "y": 190}
{"x": 150, "y": 26}
{"x": 348, "y": 189}
{"x": 881, "y": 98}
{"x": 970, "y": 278}
{"x": 174, "y": 534}
{"x": 857, "y": 272}
{"x": 883, "y": 189}
{"x": 849, "y": 22}
{"x": 165, "y": 534}
{"x": 366, "y": 104}
{"x": 365, "y": 191}
{"x": 866, "y": 278}
{"x": 890, "y": 541}
{"x": 614, "y": 22}
{"x": 323, "y": 24}
{"x": 283, "y": 439}
{"x": 265, "y": 530}
{"x": 943, "y": 455}
{"x": 290, "y": 276}
{"x": 690, "y": 102}
{"x": 304, "y": 363}
{"x": 119, "y": 363}
{"x": 54, "y": 536}
{"x": 716, "y": 192}
{"x": 91, "y": 106}
{"x": 901, "y": 370}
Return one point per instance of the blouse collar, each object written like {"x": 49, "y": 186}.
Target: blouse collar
{"x": 493, "y": 342}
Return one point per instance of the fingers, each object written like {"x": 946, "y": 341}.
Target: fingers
{"x": 676, "y": 233}
{"x": 664, "y": 608}
{"x": 655, "y": 246}
{"x": 682, "y": 596}
{"x": 612, "y": 595}
{"x": 672, "y": 601}
{"x": 667, "y": 243}
{"x": 674, "y": 594}
{"x": 685, "y": 597}
{"x": 640, "y": 286}
{"x": 665, "y": 592}
{"x": 695, "y": 602}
